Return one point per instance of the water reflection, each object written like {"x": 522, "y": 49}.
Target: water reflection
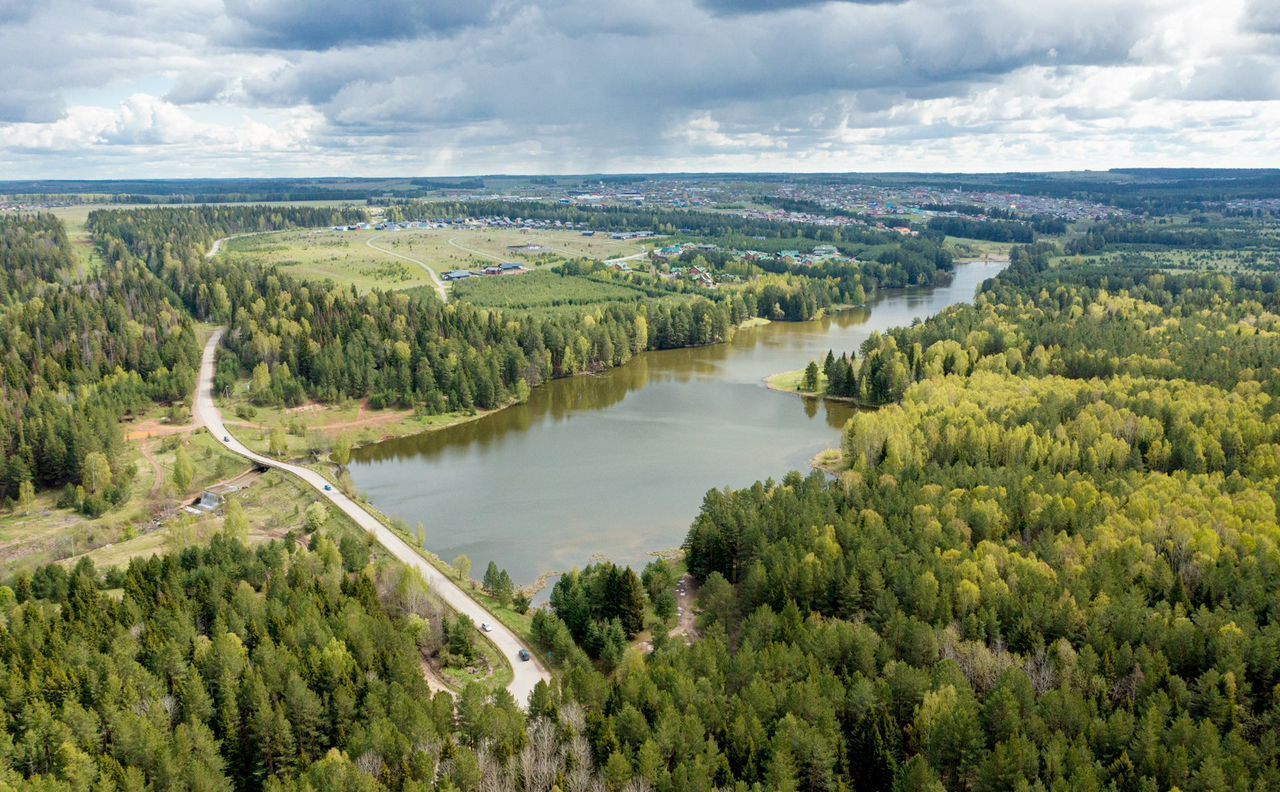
{"x": 617, "y": 464}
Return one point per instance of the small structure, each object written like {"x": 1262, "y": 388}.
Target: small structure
{"x": 528, "y": 250}
{"x": 213, "y": 497}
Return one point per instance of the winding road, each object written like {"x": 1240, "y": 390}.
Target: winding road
{"x": 435, "y": 279}
{"x": 527, "y": 673}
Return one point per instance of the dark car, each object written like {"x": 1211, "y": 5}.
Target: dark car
{"x": 524, "y": 654}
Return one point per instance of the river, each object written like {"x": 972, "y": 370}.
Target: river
{"x": 616, "y": 465}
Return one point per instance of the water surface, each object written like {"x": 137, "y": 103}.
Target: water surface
{"x": 616, "y": 465}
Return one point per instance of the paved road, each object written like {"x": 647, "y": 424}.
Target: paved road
{"x": 435, "y": 279}
{"x": 527, "y": 673}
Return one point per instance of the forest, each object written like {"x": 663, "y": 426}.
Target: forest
{"x": 1046, "y": 561}
{"x": 77, "y": 356}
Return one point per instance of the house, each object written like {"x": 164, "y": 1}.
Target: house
{"x": 510, "y": 266}
{"x": 589, "y": 233}
{"x": 825, "y": 251}
{"x": 492, "y": 270}
{"x": 457, "y": 275}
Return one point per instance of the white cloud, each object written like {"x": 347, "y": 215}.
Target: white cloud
{"x": 255, "y": 87}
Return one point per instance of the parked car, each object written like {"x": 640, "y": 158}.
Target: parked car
{"x": 524, "y": 654}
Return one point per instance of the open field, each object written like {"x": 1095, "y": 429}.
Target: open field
{"x": 311, "y": 429}
{"x": 541, "y": 290}
{"x": 978, "y": 248}
{"x": 345, "y": 257}
{"x": 74, "y": 219}
{"x": 1191, "y": 259}
{"x": 142, "y": 524}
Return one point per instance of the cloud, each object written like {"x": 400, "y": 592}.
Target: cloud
{"x": 400, "y": 86}
{"x": 764, "y": 6}
{"x": 322, "y": 24}
{"x": 1263, "y": 16}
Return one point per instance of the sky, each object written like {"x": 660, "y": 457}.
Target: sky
{"x": 229, "y": 88}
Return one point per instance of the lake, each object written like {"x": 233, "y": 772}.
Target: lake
{"x": 616, "y": 465}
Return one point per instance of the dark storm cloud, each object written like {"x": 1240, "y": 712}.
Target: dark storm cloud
{"x": 322, "y": 24}
{"x": 1263, "y": 16}
{"x": 22, "y": 105}
{"x": 522, "y": 72}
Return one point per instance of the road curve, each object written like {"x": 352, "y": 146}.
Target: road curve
{"x": 527, "y": 673}
{"x": 435, "y": 279}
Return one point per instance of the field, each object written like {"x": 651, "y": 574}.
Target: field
{"x": 152, "y": 520}
{"x": 350, "y": 257}
{"x": 1192, "y": 259}
{"x": 541, "y": 290}
{"x": 310, "y": 429}
{"x": 74, "y": 219}
{"x": 966, "y": 248}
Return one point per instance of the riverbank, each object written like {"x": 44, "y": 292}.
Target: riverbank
{"x": 792, "y": 381}
{"x": 636, "y": 447}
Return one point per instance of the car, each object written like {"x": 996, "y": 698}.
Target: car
{"x": 487, "y": 627}
{"x": 328, "y": 488}
{"x": 524, "y": 655}
{"x": 226, "y": 439}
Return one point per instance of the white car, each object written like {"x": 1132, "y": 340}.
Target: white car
{"x": 487, "y": 627}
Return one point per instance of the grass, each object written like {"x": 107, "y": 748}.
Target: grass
{"x": 311, "y": 429}
{"x": 345, "y": 257}
{"x": 75, "y": 218}
{"x": 790, "y": 382}
{"x": 542, "y": 291}
{"x": 977, "y": 248}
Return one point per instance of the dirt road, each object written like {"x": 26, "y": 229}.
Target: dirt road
{"x": 435, "y": 279}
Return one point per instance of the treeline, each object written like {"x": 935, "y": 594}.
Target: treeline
{"x": 1082, "y": 321}
{"x": 76, "y": 356}
{"x": 689, "y": 222}
{"x": 304, "y": 339}
{"x": 34, "y": 251}
{"x": 229, "y": 668}
{"x": 1029, "y": 576}
{"x": 990, "y": 230}
{"x": 1101, "y": 235}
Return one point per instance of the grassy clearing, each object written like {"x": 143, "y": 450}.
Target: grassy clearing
{"x": 144, "y": 524}
{"x": 309, "y": 431}
{"x": 978, "y": 248}
{"x": 342, "y": 257}
{"x": 790, "y": 382}
{"x": 542, "y": 291}
{"x": 74, "y": 218}
{"x": 345, "y": 257}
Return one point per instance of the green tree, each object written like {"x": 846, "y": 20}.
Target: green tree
{"x": 183, "y": 471}
{"x": 26, "y": 496}
{"x": 235, "y": 523}
{"x": 810, "y": 380}
{"x": 463, "y": 564}
{"x": 341, "y": 452}
{"x": 95, "y": 473}
{"x": 278, "y": 444}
